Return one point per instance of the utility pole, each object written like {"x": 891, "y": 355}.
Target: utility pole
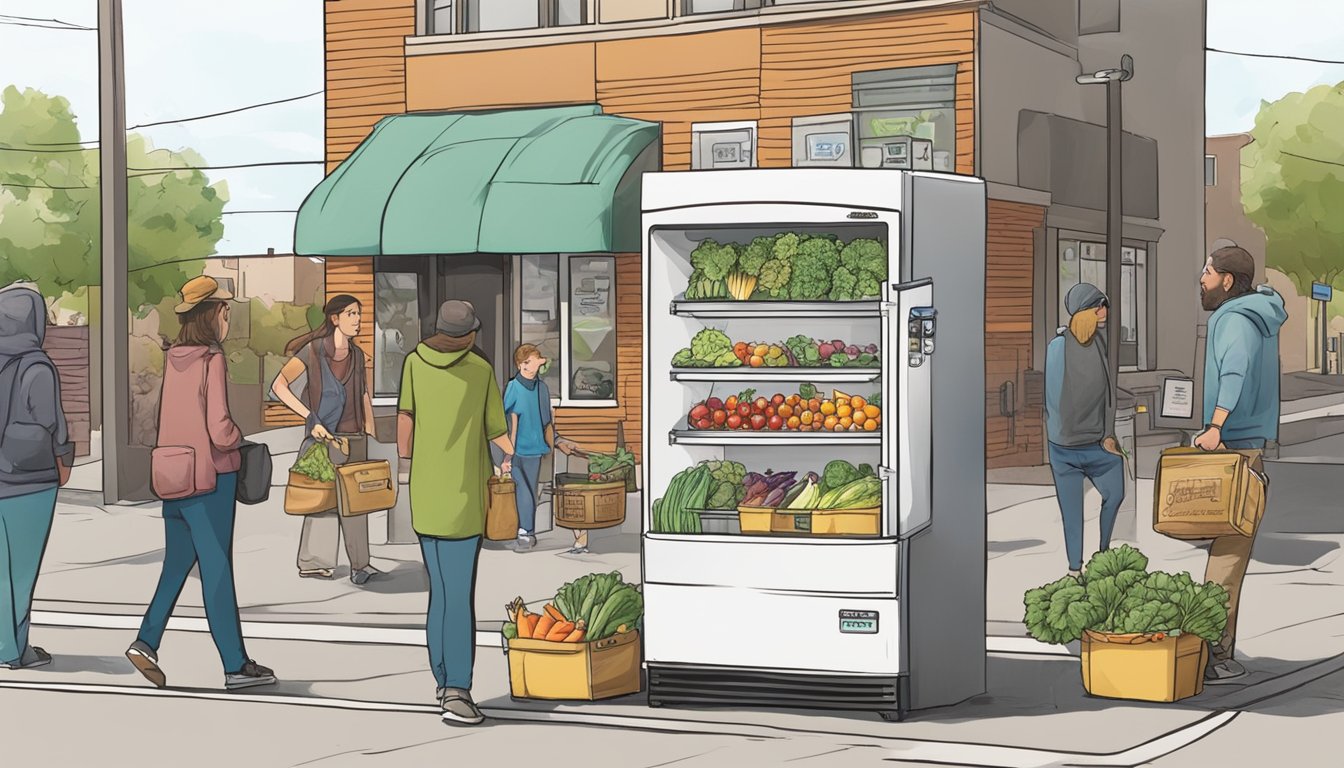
{"x": 115, "y": 301}
{"x": 1112, "y": 78}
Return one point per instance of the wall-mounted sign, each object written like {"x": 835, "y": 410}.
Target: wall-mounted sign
{"x": 1322, "y": 292}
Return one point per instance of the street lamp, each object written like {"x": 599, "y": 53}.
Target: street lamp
{"x": 1112, "y": 78}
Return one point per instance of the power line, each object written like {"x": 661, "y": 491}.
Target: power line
{"x": 1312, "y": 159}
{"x": 38, "y": 186}
{"x": 236, "y": 213}
{"x": 34, "y": 25}
{"x": 140, "y": 172}
{"x": 214, "y": 257}
{"x": 182, "y": 120}
{"x": 1274, "y": 56}
{"x": 68, "y": 24}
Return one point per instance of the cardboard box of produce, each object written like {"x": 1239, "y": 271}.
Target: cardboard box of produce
{"x": 811, "y": 522}
{"x": 1205, "y": 494}
{"x": 603, "y": 669}
{"x": 1142, "y": 668}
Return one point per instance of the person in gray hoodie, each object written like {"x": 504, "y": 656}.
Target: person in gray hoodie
{"x": 1080, "y": 420}
{"x": 1241, "y": 408}
{"x": 35, "y": 455}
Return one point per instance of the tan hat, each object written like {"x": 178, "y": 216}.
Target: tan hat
{"x": 199, "y": 289}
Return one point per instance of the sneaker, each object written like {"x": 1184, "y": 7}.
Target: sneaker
{"x": 1077, "y": 574}
{"x": 576, "y": 551}
{"x": 1222, "y": 672}
{"x": 316, "y": 573}
{"x": 362, "y": 576}
{"x": 32, "y": 658}
{"x": 251, "y": 675}
{"x": 526, "y": 542}
{"x": 147, "y": 662}
{"x": 458, "y": 707}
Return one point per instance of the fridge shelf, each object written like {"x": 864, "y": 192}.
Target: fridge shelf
{"x": 769, "y": 538}
{"x": 813, "y": 375}
{"x": 776, "y": 309}
{"x": 801, "y": 439}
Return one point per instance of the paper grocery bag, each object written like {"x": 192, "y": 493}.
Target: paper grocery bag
{"x": 1207, "y": 494}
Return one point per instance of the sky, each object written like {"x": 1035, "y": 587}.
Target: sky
{"x": 194, "y": 58}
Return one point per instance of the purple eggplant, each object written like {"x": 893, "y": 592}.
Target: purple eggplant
{"x": 776, "y": 497}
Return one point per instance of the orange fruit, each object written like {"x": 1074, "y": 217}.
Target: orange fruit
{"x": 831, "y": 422}
{"x": 795, "y": 422}
{"x": 794, "y": 400}
{"x": 805, "y": 417}
{"x": 871, "y": 411}
{"x": 846, "y": 422}
{"x": 844, "y": 411}
{"x": 857, "y": 402}
{"x": 828, "y": 408}
{"x": 762, "y": 350}
{"x": 784, "y": 411}
{"x": 870, "y": 425}
{"x": 757, "y": 361}
{"x": 814, "y": 405}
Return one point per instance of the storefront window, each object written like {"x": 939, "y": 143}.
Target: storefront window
{"x": 591, "y": 360}
{"x": 911, "y": 101}
{"x": 500, "y": 15}
{"x": 396, "y": 327}
{"x": 539, "y": 312}
{"x": 1083, "y": 261}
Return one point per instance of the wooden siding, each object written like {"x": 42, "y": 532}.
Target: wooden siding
{"x": 595, "y": 428}
{"x": 1009, "y": 277}
{"x": 556, "y": 74}
{"x": 68, "y": 348}
{"x": 365, "y": 68}
{"x": 808, "y": 69}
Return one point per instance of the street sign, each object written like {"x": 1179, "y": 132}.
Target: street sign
{"x": 1321, "y": 292}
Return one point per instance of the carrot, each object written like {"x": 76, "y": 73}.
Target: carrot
{"x": 560, "y": 631}
{"x": 543, "y": 627}
{"x": 527, "y": 622}
{"x": 574, "y": 637}
{"x": 554, "y": 613}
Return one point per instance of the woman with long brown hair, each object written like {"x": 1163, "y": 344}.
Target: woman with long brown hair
{"x": 202, "y": 478}
{"x": 335, "y": 403}
{"x": 1080, "y": 419}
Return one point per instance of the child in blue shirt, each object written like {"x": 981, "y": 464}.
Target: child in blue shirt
{"x": 527, "y": 408}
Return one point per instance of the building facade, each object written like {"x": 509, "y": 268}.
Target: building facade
{"x": 760, "y": 83}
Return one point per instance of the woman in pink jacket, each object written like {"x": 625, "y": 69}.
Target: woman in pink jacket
{"x": 198, "y": 529}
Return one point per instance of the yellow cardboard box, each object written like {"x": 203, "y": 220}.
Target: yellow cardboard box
{"x": 602, "y": 669}
{"x": 1140, "y": 668}
{"x": 1205, "y": 494}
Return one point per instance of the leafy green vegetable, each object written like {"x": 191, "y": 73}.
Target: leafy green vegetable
{"x": 843, "y": 283}
{"x": 510, "y": 631}
{"x": 817, "y": 260}
{"x": 727, "y": 360}
{"x": 1113, "y": 562}
{"x": 774, "y": 277}
{"x": 1058, "y": 612}
{"x": 838, "y": 474}
{"x": 315, "y": 464}
{"x": 709, "y": 344}
{"x": 683, "y": 359}
{"x": 712, "y": 260}
{"x": 755, "y": 255}
{"x": 865, "y": 256}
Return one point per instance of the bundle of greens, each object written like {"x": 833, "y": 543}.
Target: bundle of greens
{"x": 315, "y": 464}
{"x": 1117, "y": 594}
{"x": 788, "y": 266}
{"x": 602, "y": 603}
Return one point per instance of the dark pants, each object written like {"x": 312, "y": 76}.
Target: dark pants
{"x": 199, "y": 529}
{"x": 450, "y": 627}
{"x": 1106, "y": 471}
{"x": 25, "y": 523}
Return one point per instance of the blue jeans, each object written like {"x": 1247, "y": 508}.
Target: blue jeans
{"x": 1107, "y": 473}
{"x": 527, "y": 476}
{"x": 25, "y": 522}
{"x": 450, "y": 627}
{"x": 199, "y": 529}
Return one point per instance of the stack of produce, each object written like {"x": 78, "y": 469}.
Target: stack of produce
{"x": 803, "y": 412}
{"x": 730, "y": 489}
{"x": 689, "y": 491}
{"x": 592, "y": 607}
{"x": 814, "y": 353}
{"x": 768, "y": 490}
{"x": 602, "y": 465}
{"x": 840, "y": 486}
{"x": 315, "y": 464}
{"x": 788, "y": 266}
{"x": 709, "y": 349}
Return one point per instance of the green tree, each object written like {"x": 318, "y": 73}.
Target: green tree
{"x": 49, "y": 206}
{"x": 1292, "y": 184}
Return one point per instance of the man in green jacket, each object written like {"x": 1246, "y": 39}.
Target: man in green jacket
{"x": 449, "y": 412}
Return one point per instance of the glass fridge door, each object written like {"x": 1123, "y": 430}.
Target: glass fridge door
{"x": 910, "y": 331}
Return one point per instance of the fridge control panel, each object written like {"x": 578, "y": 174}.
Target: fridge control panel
{"x": 923, "y": 326}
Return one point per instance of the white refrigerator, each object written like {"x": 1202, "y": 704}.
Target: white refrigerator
{"x": 886, "y": 622}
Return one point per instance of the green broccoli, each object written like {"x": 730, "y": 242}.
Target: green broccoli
{"x": 864, "y": 256}
{"x": 775, "y": 275}
{"x": 755, "y": 256}
{"x": 709, "y": 344}
{"x": 867, "y": 287}
{"x": 712, "y": 260}
{"x": 838, "y": 474}
{"x": 816, "y": 262}
{"x": 843, "y": 283}
{"x": 683, "y": 359}
{"x": 786, "y": 247}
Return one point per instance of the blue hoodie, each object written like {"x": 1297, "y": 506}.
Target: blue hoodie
{"x": 1241, "y": 365}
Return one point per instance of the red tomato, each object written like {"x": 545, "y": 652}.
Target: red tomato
{"x": 776, "y": 422}
{"x": 758, "y": 421}
{"x": 734, "y": 421}
{"x": 720, "y": 418}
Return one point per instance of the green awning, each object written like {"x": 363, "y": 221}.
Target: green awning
{"x": 517, "y": 181}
